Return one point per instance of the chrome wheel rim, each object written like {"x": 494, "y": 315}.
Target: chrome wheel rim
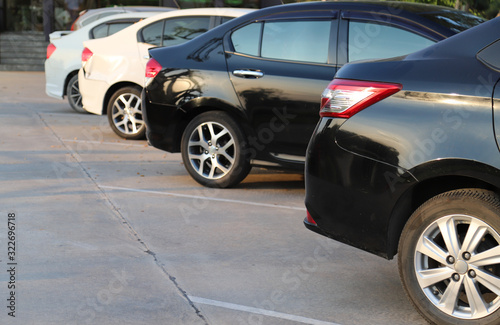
{"x": 74, "y": 94}
{"x": 127, "y": 114}
{"x": 211, "y": 150}
{"x": 456, "y": 265}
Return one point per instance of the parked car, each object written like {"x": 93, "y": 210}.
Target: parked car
{"x": 248, "y": 92}
{"x": 90, "y": 15}
{"x": 112, "y": 76}
{"x": 405, "y": 159}
{"x": 64, "y": 55}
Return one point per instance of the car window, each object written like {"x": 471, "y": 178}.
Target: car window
{"x": 99, "y": 31}
{"x": 152, "y": 34}
{"x": 246, "y": 40}
{"x": 375, "y": 41}
{"x": 183, "y": 29}
{"x": 104, "y": 30}
{"x": 113, "y": 28}
{"x": 306, "y": 41}
{"x": 296, "y": 40}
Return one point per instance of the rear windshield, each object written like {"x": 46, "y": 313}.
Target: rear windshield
{"x": 456, "y": 21}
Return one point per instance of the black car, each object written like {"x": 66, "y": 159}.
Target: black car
{"x": 247, "y": 93}
{"x": 405, "y": 160}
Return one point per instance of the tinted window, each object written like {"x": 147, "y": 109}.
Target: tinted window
{"x": 152, "y": 33}
{"x": 100, "y": 31}
{"x": 109, "y": 29}
{"x": 180, "y": 30}
{"x": 296, "y": 40}
{"x": 246, "y": 40}
{"x": 113, "y": 28}
{"x": 376, "y": 41}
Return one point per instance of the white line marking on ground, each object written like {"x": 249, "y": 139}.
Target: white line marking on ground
{"x": 259, "y": 311}
{"x": 110, "y": 143}
{"x": 204, "y": 198}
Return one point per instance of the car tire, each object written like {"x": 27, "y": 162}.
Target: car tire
{"x": 73, "y": 94}
{"x": 213, "y": 150}
{"x": 449, "y": 258}
{"x": 125, "y": 113}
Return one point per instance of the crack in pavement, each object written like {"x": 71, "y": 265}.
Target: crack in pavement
{"x": 76, "y": 157}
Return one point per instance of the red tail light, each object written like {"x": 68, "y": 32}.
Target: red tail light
{"x": 86, "y": 55}
{"x": 310, "y": 219}
{"x": 152, "y": 68}
{"x": 50, "y": 49}
{"x": 344, "y": 98}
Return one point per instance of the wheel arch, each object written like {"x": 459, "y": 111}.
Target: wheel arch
{"x": 434, "y": 178}
{"x": 201, "y": 105}
{"x": 66, "y": 81}
{"x": 114, "y": 88}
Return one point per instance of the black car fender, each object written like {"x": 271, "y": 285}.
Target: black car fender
{"x": 200, "y": 105}
{"x": 433, "y": 178}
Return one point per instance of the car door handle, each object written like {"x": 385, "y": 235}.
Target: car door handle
{"x": 248, "y": 74}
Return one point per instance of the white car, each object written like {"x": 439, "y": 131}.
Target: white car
{"x": 64, "y": 54}
{"x": 112, "y": 74}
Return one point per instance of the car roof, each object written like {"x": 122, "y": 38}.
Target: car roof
{"x": 398, "y": 5}
{"x": 221, "y": 11}
{"x": 128, "y": 9}
{"x": 86, "y": 15}
{"x": 229, "y": 12}
{"x": 138, "y": 14}
{"x": 85, "y": 29}
{"x": 414, "y": 11}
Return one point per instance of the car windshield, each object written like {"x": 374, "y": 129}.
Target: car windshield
{"x": 456, "y": 21}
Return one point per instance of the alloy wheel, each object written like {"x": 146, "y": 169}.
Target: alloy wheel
{"x": 211, "y": 150}
{"x": 456, "y": 266}
{"x": 127, "y": 114}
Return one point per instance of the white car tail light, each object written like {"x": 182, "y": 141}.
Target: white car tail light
{"x": 86, "y": 55}
{"x": 152, "y": 68}
{"x": 344, "y": 98}
{"x": 50, "y": 50}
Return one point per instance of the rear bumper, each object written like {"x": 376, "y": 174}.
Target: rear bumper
{"x": 54, "y": 81}
{"x": 93, "y": 92}
{"x": 349, "y": 196}
{"x": 314, "y": 228}
{"x": 164, "y": 124}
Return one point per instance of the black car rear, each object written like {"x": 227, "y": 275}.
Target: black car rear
{"x": 405, "y": 159}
